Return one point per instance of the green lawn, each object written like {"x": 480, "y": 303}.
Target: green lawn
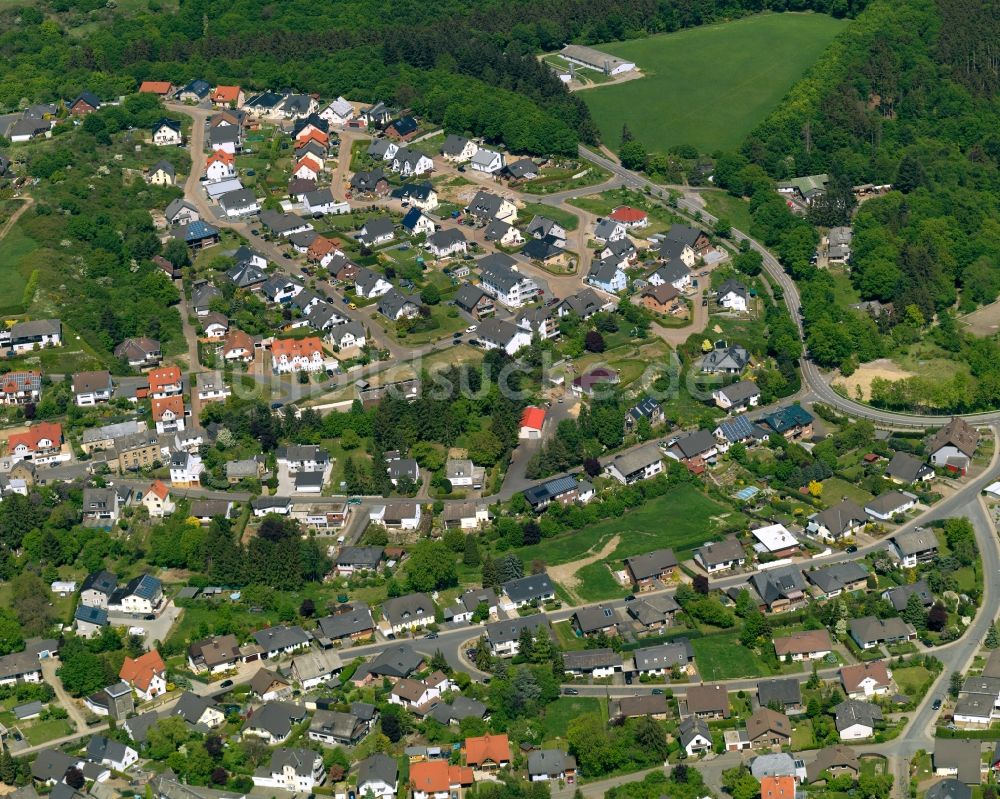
{"x": 597, "y": 583}
{"x": 722, "y": 657}
{"x": 567, "y": 637}
{"x": 14, "y": 251}
{"x": 682, "y": 519}
{"x": 559, "y": 215}
{"x": 836, "y": 489}
{"x": 709, "y": 86}
{"x": 560, "y": 713}
{"x": 43, "y": 731}
{"x": 723, "y": 205}
{"x": 910, "y": 679}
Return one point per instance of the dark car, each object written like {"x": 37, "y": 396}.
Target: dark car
{"x": 149, "y": 617}
{"x": 570, "y": 691}
{"x": 937, "y": 704}
{"x": 276, "y": 405}
{"x": 226, "y": 684}
{"x": 630, "y": 598}
{"x": 628, "y": 679}
{"x": 457, "y": 334}
{"x": 657, "y": 692}
{"x": 431, "y": 635}
{"x": 851, "y": 549}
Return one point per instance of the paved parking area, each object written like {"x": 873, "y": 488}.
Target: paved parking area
{"x": 157, "y": 629}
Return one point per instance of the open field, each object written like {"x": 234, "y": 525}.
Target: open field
{"x": 692, "y": 522}
{"x": 836, "y": 489}
{"x": 560, "y": 713}
{"x": 859, "y": 384}
{"x": 709, "y": 86}
{"x": 722, "y": 657}
{"x": 723, "y": 205}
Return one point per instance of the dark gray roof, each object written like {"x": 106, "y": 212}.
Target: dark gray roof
{"x": 276, "y": 718}
{"x": 913, "y": 542}
{"x": 51, "y": 764}
{"x": 837, "y": 576}
{"x": 785, "y": 691}
{"x": 664, "y": 656}
{"x": 889, "y": 502}
{"x": 691, "y": 727}
{"x": 854, "y": 711}
{"x": 741, "y": 391}
{"x": 191, "y": 707}
{"x": 777, "y": 583}
{"x": 841, "y": 517}
{"x": 403, "y": 609}
{"x": 138, "y": 726}
{"x": 274, "y": 638}
{"x": 590, "y": 659}
{"x": 906, "y": 468}
{"x": 693, "y": 445}
{"x": 529, "y": 587}
{"x": 103, "y": 581}
{"x": 378, "y": 767}
{"x": 396, "y": 661}
{"x": 510, "y": 630}
{"x": 900, "y": 595}
{"x": 360, "y": 557}
{"x": 651, "y": 564}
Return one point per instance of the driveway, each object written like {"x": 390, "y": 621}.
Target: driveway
{"x": 156, "y": 630}
{"x": 76, "y": 715}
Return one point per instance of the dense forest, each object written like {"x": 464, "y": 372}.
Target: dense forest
{"x": 907, "y": 96}
{"x": 469, "y": 65}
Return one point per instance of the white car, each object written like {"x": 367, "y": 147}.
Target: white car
{"x": 471, "y": 329}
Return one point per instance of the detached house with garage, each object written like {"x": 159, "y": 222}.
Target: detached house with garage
{"x": 870, "y": 631}
{"x": 915, "y": 546}
{"x": 654, "y": 567}
{"x": 953, "y": 446}
{"x": 636, "y": 465}
{"x": 717, "y": 556}
{"x": 840, "y": 521}
{"x": 865, "y": 680}
{"x": 500, "y": 278}
{"x": 808, "y": 645}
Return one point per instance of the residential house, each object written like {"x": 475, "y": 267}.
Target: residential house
{"x": 914, "y": 546}
{"x": 408, "y": 612}
{"x": 377, "y": 776}
{"x": 733, "y": 296}
{"x": 447, "y": 243}
{"x": 90, "y": 388}
{"x": 808, "y": 645}
{"x": 237, "y": 346}
{"x": 738, "y": 396}
{"x": 833, "y": 580}
{"x": 162, "y": 173}
{"x": 395, "y": 305}
{"x": 648, "y": 570}
{"x": 474, "y": 301}
{"x": 864, "y": 680}
{"x": 338, "y": 112}
{"x": 674, "y": 274}
{"x": 167, "y": 133}
{"x": 88, "y": 620}
{"x": 458, "y": 149}
{"x": 560, "y": 489}
{"x": 34, "y": 335}
{"x": 899, "y": 596}
{"x": 146, "y": 674}
{"x": 20, "y": 388}
{"x": 629, "y": 707}
{"x": 488, "y": 161}
{"x": 399, "y": 514}
{"x": 504, "y": 636}
{"x": 609, "y": 230}
{"x": 111, "y": 753}
{"x": 662, "y": 299}
{"x": 140, "y": 596}
{"x": 856, "y": 720}
{"x": 596, "y": 619}
{"x": 437, "y": 779}
{"x": 907, "y": 469}
{"x": 707, "y": 701}
{"x": 694, "y": 448}
{"x": 596, "y": 663}
{"x": 725, "y": 360}
{"x": 140, "y": 352}
{"x": 837, "y": 522}
{"x": 272, "y": 722}
{"x": 297, "y": 770}
{"x": 607, "y": 275}
{"x": 499, "y": 334}
{"x": 486, "y": 206}
{"x": 500, "y": 231}
{"x": 636, "y": 465}
{"x": 953, "y": 446}
{"x": 768, "y": 728}
{"x": 185, "y": 469}
{"x": 40, "y": 443}
{"x": 297, "y": 355}
{"x": 834, "y": 761}
{"x": 783, "y": 694}
{"x": 370, "y": 284}
{"x": 242, "y": 202}
{"x": 417, "y": 695}
{"x": 653, "y": 612}
{"x": 630, "y": 217}
{"x": 219, "y": 166}
{"x": 532, "y": 589}
{"x": 870, "y": 631}
{"x": 393, "y": 664}
{"x": 467, "y": 515}
{"x": 886, "y": 507}
{"x": 214, "y": 655}
{"x": 694, "y": 736}
{"x": 269, "y": 686}
{"x": 156, "y": 500}
{"x": 546, "y": 765}
{"x": 103, "y": 506}
{"x": 662, "y": 659}
{"x": 716, "y": 556}
{"x": 281, "y": 640}
{"x": 487, "y": 752}
{"x": 958, "y": 758}
{"x": 499, "y": 277}
{"x": 779, "y": 589}
{"x": 350, "y": 621}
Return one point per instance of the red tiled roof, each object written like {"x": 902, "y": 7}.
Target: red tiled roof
{"x": 220, "y": 155}
{"x": 167, "y": 376}
{"x": 292, "y": 347}
{"x": 154, "y": 87}
{"x": 533, "y": 417}
{"x": 226, "y": 94}
{"x": 777, "y": 787}
{"x": 30, "y": 437}
{"x": 174, "y": 404}
{"x": 628, "y": 215}
{"x": 159, "y": 489}
{"x": 487, "y": 748}
{"x": 141, "y": 670}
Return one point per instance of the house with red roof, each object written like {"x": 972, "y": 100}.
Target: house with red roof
{"x": 161, "y": 88}
{"x": 168, "y": 413}
{"x": 157, "y": 501}
{"x": 312, "y": 134}
{"x": 165, "y": 382}
{"x": 532, "y": 420}
{"x": 777, "y": 787}
{"x": 630, "y": 217}
{"x": 20, "y": 388}
{"x": 41, "y": 443}
{"x": 238, "y": 346}
{"x": 220, "y": 166}
{"x": 308, "y": 167}
{"x": 487, "y": 752}
{"x": 228, "y": 96}
{"x": 146, "y": 675}
{"x": 297, "y": 355}
{"x": 436, "y": 779}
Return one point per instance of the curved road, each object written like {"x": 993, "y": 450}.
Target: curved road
{"x": 818, "y": 387}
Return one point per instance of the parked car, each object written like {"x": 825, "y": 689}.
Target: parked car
{"x": 226, "y": 684}
{"x": 657, "y": 692}
{"x": 937, "y": 704}
{"x": 570, "y": 691}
